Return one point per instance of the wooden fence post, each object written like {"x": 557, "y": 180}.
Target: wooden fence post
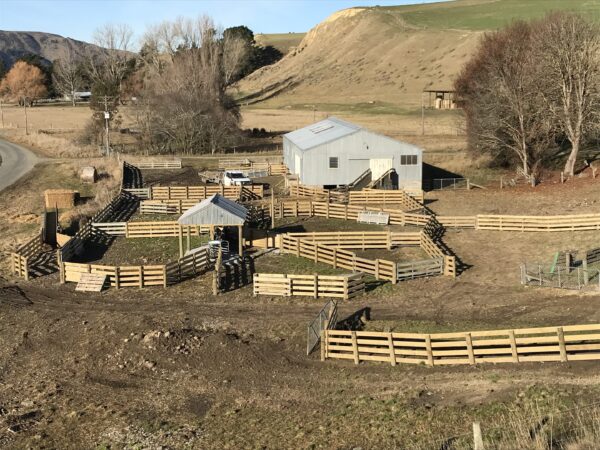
{"x": 392, "y": 349}
{"x": 470, "y": 352}
{"x": 429, "y": 350}
{"x": 477, "y": 437}
{"x": 117, "y": 281}
{"x": 335, "y": 257}
{"x": 513, "y": 346}
{"x": 316, "y": 285}
{"x": 346, "y": 294}
{"x": 561, "y": 344}
{"x": 272, "y": 210}
{"x": 355, "y": 348}
{"x": 165, "y": 276}
{"x": 181, "y": 241}
{"x": 141, "y": 276}
{"x": 323, "y": 345}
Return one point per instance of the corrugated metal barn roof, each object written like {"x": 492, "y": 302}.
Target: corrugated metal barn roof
{"x": 215, "y": 210}
{"x": 321, "y": 132}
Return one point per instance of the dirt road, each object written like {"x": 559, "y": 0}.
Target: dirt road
{"x": 15, "y": 162}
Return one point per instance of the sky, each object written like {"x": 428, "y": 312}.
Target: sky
{"x": 78, "y": 18}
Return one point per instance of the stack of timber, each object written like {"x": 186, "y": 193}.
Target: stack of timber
{"x": 567, "y": 343}
{"x": 316, "y": 286}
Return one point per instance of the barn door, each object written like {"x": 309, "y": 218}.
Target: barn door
{"x": 297, "y": 164}
{"x": 379, "y": 167}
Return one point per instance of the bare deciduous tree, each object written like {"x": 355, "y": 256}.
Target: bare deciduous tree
{"x": 67, "y": 76}
{"x": 568, "y": 56}
{"x": 503, "y": 101}
{"x": 112, "y": 66}
{"x": 184, "y": 105}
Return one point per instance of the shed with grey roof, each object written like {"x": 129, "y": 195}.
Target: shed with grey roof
{"x": 334, "y": 152}
{"x": 217, "y": 211}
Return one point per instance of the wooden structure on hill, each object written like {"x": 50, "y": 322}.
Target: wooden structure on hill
{"x": 440, "y": 99}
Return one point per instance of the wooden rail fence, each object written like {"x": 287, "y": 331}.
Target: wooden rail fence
{"x": 330, "y": 248}
{"x": 150, "y": 229}
{"x": 251, "y": 192}
{"x": 252, "y": 166}
{"x": 408, "y": 200}
{"x": 20, "y": 258}
{"x": 159, "y": 164}
{"x": 385, "y": 197}
{"x": 316, "y": 286}
{"x": 339, "y": 258}
{"x": 141, "y": 276}
{"x": 567, "y": 343}
{"x": 118, "y": 276}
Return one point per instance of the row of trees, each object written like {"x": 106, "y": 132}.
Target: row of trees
{"x": 179, "y": 79}
{"x": 531, "y": 93}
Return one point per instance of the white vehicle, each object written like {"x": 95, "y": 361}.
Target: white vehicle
{"x": 235, "y": 178}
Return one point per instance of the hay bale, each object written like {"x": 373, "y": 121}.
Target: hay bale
{"x": 88, "y": 174}
{"x": 60, "y": 198}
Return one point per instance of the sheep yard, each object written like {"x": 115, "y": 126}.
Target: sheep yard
{"x": 181, "y": 368}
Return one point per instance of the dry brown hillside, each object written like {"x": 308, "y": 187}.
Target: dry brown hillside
{"x": 362, "y": 55}
{"x": 389, "y": 54}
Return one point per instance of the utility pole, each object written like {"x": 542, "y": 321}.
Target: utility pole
{"x": 422, "y": 115}
{"x": 26, "y": 124}
{"x": 106, "y": 119}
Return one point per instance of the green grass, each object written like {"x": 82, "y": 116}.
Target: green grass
{"x": 487, "y": 14}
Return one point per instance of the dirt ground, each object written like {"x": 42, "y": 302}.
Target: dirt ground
{"x": 180, "y": 368}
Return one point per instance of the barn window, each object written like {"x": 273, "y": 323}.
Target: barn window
{"x": 408, "y": 160}
{"x": 334, "y": 162}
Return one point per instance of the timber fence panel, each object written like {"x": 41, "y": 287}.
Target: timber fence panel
{"x": 189, "y": 266}
{"x": 316, "y": 286}
{"x": 567, "y": 343}
{"x": 421, "y": 268}
{"x": 142, "y": 193}
{"x": 117, "y": 276}
{"x": 582, "y": 222}
{"x": 458, "y": 221}
{"x": 252, "y": 192}
{"x": 385, "y": 197}
{"x": 159, "y": 164}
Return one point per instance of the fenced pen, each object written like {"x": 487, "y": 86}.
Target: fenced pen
{"x": 331, "y": 248}
{"x": 164, "y": 275}
{"x": 567, "y": 343}
{"x": 575, "y": 278}
{"x": 315, "y": 286}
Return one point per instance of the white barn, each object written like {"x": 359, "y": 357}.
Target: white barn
{"x": 334, "y": 152}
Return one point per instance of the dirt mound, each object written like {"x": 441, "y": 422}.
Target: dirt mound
{"x": 363, "y": 54}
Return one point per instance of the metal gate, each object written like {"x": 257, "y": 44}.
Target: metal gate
{"x": 325, "y": 320}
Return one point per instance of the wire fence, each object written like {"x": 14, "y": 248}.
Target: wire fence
{"x": 441, "y": 184}
{"x": 555, "y": 276}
